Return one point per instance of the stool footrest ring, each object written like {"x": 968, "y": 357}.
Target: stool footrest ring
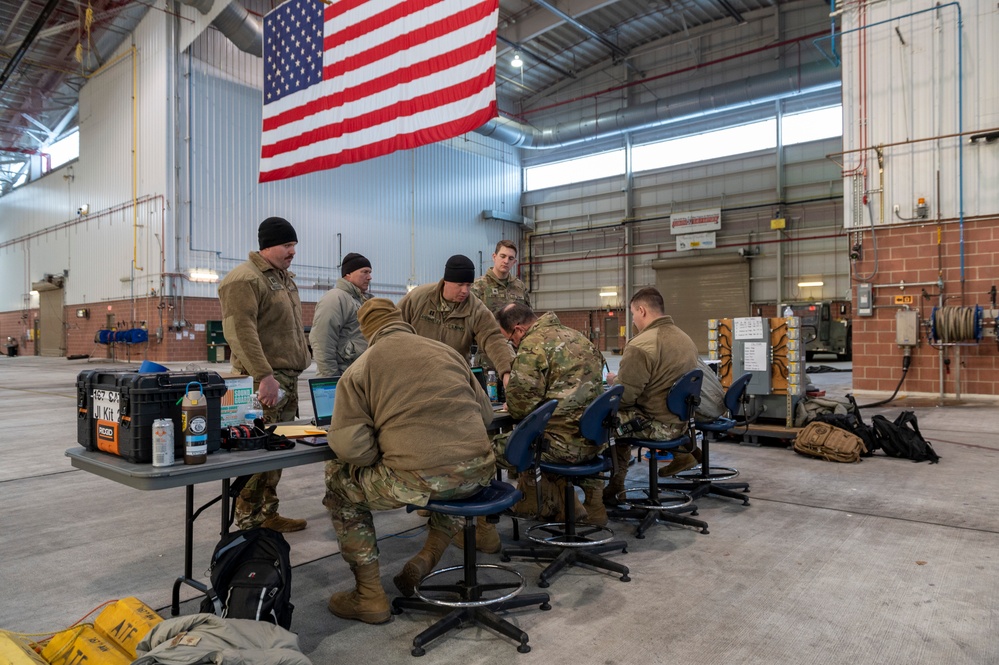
{"x": 666, "y": 500}
{"x": 585, "y": 536}
{"x": 464, "y": 592}
{"x": 714, "y": 473}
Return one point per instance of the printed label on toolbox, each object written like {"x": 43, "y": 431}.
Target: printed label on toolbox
{"x": 107, "y": 436}
{"x": 106, "y": 405}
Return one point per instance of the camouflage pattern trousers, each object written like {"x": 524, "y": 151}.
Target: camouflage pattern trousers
{"x": 352, "y": 492}
{"x": 653, "y": 431}
{"x": 561, "y": 449}
{"x": 258, "y": 500}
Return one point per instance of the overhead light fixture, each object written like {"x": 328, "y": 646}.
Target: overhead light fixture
{"x": 517, "y": 62}
{"x": 203, "y": 275}
{"x": 807, "y": 284}
{"x": 608, "y": 294}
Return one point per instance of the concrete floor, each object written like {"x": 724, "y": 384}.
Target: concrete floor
{"x": 882, "y": 562}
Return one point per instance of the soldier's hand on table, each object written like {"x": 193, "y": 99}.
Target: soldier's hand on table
{"x": 610, "y": 378}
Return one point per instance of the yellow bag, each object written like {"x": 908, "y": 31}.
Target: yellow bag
{"x": 829, "y": 442}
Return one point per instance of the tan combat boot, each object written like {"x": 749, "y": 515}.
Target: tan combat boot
{"x": 594, "y": 503}
{"x": 487, "y": 539}
{"x": 528, "y": 506}
{"x": 420, "y": 565}
{"x": 681, "y": 462}
{"x": 283, "y": 524}
{"x": 367, "y": 602}
{"x": 622, "y": 455}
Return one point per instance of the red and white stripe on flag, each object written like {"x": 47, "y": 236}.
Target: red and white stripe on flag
{"x": 363, "y": 78}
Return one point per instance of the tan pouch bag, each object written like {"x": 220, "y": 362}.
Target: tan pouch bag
{"x": 829, "y": 442}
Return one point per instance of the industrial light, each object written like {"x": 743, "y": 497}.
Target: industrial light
{"x": 517, "y": 62}
{"x": 807, "y": 284}
{"x": 203, "y": 275}
{"x": 608, "y": 294}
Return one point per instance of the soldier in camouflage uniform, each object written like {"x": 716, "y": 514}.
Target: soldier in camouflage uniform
{"x": 262, "y": 322}
{"x": 409, "y": 425}
{"x": 553, "y": 362}
{"x": 499, "y": 286}
{"x": 652, "y": 362}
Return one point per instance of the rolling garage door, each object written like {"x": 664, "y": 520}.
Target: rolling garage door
{"x": 702, "y": 288}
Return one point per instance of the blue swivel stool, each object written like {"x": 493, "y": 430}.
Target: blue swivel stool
{"x": 468, "y": 601}
{"x": 705, "y": 479}
{"x": 652, "y": 503}
{"x": 567, "y": 543}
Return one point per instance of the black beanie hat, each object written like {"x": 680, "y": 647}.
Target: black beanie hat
{"x": 459, "y": 269}
{"x": 275, "y": 231}
{"x": 353, "y": 262}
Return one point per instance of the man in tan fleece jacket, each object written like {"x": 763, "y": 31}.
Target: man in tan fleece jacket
{"x": 448, "y": 312}
{"x": 652, "y": 362}
{"x": 409, "y": 425}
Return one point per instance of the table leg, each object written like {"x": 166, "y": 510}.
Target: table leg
{"x": 190, "y": 515}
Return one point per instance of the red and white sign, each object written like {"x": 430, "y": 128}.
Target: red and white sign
{"x": 695, "y": 221}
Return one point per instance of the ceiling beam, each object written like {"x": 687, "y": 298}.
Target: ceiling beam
{"x": 26, "y": 43}
{"x": 619, "y": 53}
{"x": 541, "y": 60}
{"x": 531, "y": 25}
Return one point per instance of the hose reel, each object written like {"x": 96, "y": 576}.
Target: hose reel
{"x": 951, "y": 325}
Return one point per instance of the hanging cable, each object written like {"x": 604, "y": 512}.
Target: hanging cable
{"x": 906, "y": 361}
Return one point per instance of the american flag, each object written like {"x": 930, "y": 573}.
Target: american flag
{"x": 362, "y": 78}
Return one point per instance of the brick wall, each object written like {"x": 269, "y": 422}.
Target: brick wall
{"x": 591, "y": 323}
{"x": 17, "y": 324}
{"x": 909, "y": 254}
{"x": 192, "y": 344}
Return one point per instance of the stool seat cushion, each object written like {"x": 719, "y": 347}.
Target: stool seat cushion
{"x": 716, "y": 425}
{"x": 494, "y": 498}
{"x": 577, "y": 469}
{"x": 653, "y": 444}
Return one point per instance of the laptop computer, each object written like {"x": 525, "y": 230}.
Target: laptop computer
{"x": 323, "y": 393}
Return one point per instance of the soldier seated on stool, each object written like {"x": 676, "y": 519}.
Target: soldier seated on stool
{"x": 652, "y": 362}
{"x": 409, "y": 425}
{"x": 553, "y": 362}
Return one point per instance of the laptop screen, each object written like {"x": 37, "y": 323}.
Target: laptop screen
{"x": 323, "y": 392}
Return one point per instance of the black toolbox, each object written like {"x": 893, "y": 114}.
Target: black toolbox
{"x": 116, "y": 409}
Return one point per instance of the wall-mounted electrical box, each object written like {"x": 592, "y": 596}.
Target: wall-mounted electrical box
{"x": 907, "y": 327}
{"x": 865, "y": 300}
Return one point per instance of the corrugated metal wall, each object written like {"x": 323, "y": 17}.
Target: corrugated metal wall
{"x": 577, "y": 223}
{"x": 914, "y": 91}
{"x": 407, "y": 212}
{"x": 41, "y": 228}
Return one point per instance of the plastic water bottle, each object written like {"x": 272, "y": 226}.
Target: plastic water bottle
{"x": 255, "y": 410}
{"x": 788, "y": 311}
{"x": 492, "y": 386}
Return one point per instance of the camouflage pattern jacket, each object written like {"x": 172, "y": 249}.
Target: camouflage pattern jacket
{"x": 555, "y": 362}
{"x": 411, "y": 404}
{"x": 458, "y": 327}
{"x": 651, "y": 363}
{"x": 262, "y": 319}
{"x": 336, "y": 335}
{"x": 495, "y": 292}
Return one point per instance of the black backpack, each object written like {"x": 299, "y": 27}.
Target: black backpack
{"x": 902, "y": 438}
{"x": 251, "y": 577}
{"x": 854, "y": 424}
